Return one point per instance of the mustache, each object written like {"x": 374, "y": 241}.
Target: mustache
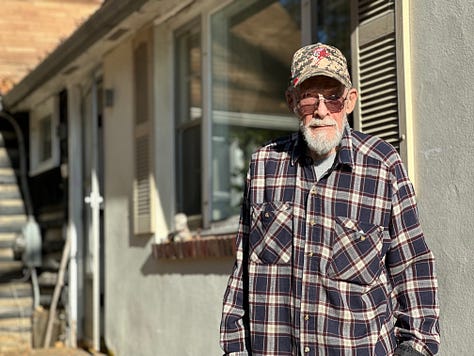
{"x": 320, "y": 122}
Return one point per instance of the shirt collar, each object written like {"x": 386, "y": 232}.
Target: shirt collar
{"x": 344, "y": 156}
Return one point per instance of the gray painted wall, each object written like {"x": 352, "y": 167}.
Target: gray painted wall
{"x": 152, "y": 307}
{"x": 443, "y": 68}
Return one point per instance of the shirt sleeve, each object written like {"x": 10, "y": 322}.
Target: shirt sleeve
{"x": 411, "y": 268}
{"x": 234, "y": 334}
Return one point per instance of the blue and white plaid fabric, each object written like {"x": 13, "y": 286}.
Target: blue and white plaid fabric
{"x": 337, "y": 266}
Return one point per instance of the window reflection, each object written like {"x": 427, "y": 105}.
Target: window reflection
{"x": 188, "y": 123}
{"x": 250, "y": 68}
{"x": 332, "y": 24}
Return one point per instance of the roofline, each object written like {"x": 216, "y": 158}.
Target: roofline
{"x": 109, "y": 15}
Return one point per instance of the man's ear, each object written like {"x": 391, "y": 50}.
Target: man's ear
{"x": 290, "y": 99}
{"x": 351, "y": 100}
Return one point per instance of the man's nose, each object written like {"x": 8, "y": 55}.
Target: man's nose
{"x": 320, "y": 109}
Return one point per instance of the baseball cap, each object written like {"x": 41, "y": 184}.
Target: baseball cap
{"x": 319, "y": 59}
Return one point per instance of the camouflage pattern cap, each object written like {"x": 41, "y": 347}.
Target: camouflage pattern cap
{"x": 319, "y": 59}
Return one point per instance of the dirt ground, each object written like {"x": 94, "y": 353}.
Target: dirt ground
{"x": 58, "y": 351}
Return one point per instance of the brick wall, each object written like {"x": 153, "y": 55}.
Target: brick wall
{"x": 31, "y": 29}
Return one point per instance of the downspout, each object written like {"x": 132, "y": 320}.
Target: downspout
{"x": 31, "y": 231}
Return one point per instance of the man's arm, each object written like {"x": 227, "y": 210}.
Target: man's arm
{"x": 411, "y": 268}
{"x": 234, "y": 323}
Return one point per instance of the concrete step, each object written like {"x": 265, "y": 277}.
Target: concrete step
{"x": 21, "y": 324}
{"x": 11, "y": 271}
{"x": 7, "y": 239}
{"x": 20, "y": 307}
{"x": 15, "y": 290}
{"x": 6, "y": 254}
{"x": 10, "y": 191}
{"x": 12, "y": 223}
{"x": 6, "y": 266}
{"x": 48, "y": 279}
{"x": 12, "y": 207}
{"x": 8, "y": 175}
{"x": 19, "y": 219}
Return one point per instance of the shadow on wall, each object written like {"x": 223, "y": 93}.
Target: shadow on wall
{"x": 220, "y": 266}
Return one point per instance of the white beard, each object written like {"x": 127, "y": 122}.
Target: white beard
{"x": 319, "y": 143}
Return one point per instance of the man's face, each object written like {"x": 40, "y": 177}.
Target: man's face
{"x": 322, "y": 122}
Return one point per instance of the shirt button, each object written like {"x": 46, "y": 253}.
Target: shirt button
{"x": 314, "y": 191}
{"x": 362, "y": 238}
{"x": 306, "y": 317}
{"x": 307, "y": 349}
{"x": 310, "y": 254}
{"x": 267, "y": 215}
{"x": 313, "y": 222}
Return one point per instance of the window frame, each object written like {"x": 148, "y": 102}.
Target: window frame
{"x": 203, "y": 16}
{"x": 231, "y": 223}
{"x": 49, "y": 109}
{"x": 195, "y": 24}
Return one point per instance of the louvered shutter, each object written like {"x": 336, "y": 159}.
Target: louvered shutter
{"x": 143, "y": 188}
{"x": 378, "y": 71}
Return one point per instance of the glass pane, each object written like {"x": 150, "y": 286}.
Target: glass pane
{"x": 333, "y": 27}
{"x": 191, "y": 171}
{"x": 333, "y": 24}
{"x": 250, "y": 69}
{"x": 189, "y": 89}
{"x": 188, "y": 123}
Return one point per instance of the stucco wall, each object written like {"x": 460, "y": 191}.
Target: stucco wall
{"x": 151, "y": 307}
{"x": 443, "y": 57}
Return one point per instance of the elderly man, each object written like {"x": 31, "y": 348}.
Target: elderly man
{"x": 331, "y": 258}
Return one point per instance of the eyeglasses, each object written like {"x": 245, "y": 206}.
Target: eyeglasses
{"x": 309, "y": 103}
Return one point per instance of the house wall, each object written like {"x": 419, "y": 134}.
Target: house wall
{"x": 152, "y": 307}
{"x": 442, "y": 56}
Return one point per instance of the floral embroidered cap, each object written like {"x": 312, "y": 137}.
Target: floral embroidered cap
{"x": 319, "y": 59}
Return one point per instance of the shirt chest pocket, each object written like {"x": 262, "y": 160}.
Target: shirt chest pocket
{"x": 356, "y": 252}
{"x": 271, "y": 233}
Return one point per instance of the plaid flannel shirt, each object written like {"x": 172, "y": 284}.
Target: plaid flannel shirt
{"x": 337, "y": 266}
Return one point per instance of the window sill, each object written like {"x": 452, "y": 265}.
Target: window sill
{"x": 199, "y": 247}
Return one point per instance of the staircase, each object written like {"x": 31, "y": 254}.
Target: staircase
{"x": 16, "y": 301}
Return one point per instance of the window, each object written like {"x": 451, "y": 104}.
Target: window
{"x": 332, "y": 23}
{"x": 245, "y": 77}
{"x": 188, "y": 126}
{"x": 250, "y": 70}
{"x": 143, "y": 188}
{"x": 44, "y": 147}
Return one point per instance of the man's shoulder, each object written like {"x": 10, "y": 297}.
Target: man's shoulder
{"x": 283, "y": 145}
{"x": 374, "y": 147}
